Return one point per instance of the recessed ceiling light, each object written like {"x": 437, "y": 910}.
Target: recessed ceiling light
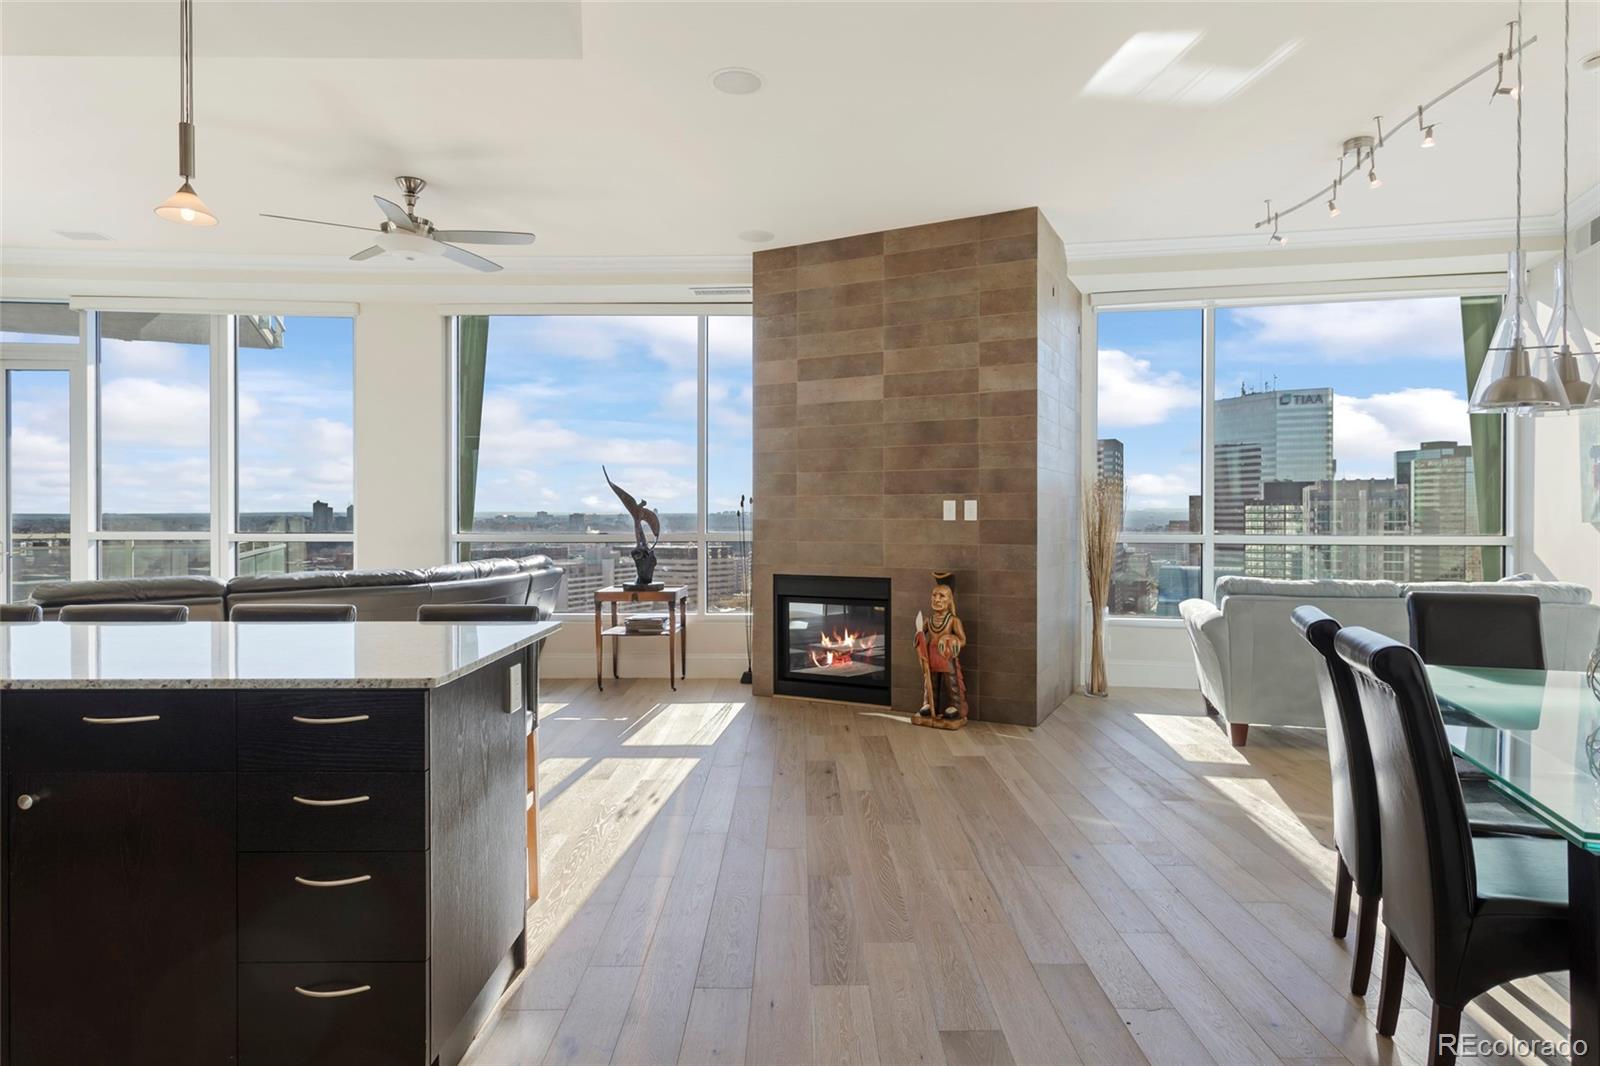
{"x": 736, "y": 81}
{"x": 755, "y": 236}
{"x": 81, "y": 235}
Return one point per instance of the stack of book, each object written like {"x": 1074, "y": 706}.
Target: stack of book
{"x": 648, "y": 624}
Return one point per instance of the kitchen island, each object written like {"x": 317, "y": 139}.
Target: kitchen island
{"x": 262, "y": 843}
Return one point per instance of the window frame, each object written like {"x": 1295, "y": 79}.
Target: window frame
{"x": 82, "y": 361}
{"x": 701, "y": 538}
{"x": 1208, "y": 302}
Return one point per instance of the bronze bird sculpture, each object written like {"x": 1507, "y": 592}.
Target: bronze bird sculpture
{"x": 644, "y": 556}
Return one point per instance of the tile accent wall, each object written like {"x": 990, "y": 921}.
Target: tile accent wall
{"x": 897, "y": 370}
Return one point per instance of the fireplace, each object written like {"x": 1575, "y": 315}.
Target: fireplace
{"x": 831, "y": 638}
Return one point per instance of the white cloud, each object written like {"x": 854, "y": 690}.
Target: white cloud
{"x": 158, "y": 358}
{"x": 1368, "y": 430}
{"x": 1133, "y": 393}
{"x": 154, "y": 414}
{"x": 41, "y": 470}
{"x": 1171, "y": 489}
{"x": 1359, "y": 331}
{"x": 670, "y": 339}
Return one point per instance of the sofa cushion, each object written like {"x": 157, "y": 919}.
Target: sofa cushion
{"x": 128, "y": 590}
{"x": 1308, "y": 589}
{"x": 479, "y": 568}
{"x": 1547, "y": 591}
{"x": 308, "y": 580}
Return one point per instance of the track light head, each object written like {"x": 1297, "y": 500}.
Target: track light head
{"x": 1427, "y": 137}
{"x": 1373, "y": 181}
{"x": 1333, "y": 209}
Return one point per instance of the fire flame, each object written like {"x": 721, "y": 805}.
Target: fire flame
{"x": 838, "y": 647}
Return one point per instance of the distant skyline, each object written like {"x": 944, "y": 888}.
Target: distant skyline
{"x": 1396, "y": 367}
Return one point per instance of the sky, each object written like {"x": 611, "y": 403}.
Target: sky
{"x": 565, "y": 395}
{"x": 1396, "y": 368}
{"x": 295, "y": 425}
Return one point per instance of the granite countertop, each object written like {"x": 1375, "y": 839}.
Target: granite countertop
{"x": 234, "y": 655}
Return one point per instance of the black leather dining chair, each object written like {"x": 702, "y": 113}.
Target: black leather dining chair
{"x": 292, "y": 612}
{"x": 481, "y": 612}
{"x": 1476, "y": 629}
{"x": 21, "y": 612}
{"x": 124, "y": 612}
{"x": 1469, "y": 911}
{"x": 1355, "y": 798}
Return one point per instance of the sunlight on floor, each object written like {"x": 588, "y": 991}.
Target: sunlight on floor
{"x": 678, "y": 724}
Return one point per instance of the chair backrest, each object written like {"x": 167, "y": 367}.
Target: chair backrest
{"x": 292, "y": 612}
{"x": 124, "y": 612}
{"x": 21, "y": 612}
{"x": 1355, "y": 788}
{"x": 1476, "y": 629}
{"x": 1429, "y": 880}
{"x": 480, "y": 612}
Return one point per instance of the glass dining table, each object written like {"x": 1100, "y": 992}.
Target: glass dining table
{"x": 1536, "y": 733}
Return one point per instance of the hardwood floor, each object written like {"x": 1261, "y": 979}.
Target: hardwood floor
{"x": 729, "y": 879}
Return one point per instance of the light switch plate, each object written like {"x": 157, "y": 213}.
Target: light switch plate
{"x": 949, "y": 510}
{"x": 972, "y": 510}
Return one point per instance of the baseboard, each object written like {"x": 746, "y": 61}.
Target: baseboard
{"x": 1151, "y": 673}
{"x": 581, "y": 664}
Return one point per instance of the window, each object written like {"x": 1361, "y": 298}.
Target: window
{"x": 209, "y": 444}
{"x": 1336, "y": 443}
{"x": 661, "y": 401}
{"x": 281, "y": 501}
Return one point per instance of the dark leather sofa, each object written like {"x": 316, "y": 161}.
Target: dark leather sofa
{"x": 377, "y": 595}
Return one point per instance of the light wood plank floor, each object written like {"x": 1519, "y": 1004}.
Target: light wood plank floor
{"x": 729, "y": 879}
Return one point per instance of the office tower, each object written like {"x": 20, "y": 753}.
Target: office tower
{"x": 1108, "y": 456}
{"x": 1280, "y": 511}
{"x": 1292, "y": 427}
{"x": 1237, "y": 481}
{"x": 1444, "y": 502}
{"x": 1359, "y": 507}
{"x": 321, "y": 517}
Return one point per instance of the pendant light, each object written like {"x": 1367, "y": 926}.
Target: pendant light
{"x": 185, "y": 205}
{"x": 1577, "y": 369}
{"x": 1518, "y": 374}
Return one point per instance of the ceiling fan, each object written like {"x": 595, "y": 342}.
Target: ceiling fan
{"x": 404, "y": 234}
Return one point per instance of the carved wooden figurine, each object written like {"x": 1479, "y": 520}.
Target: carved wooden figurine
{"x": 939, "y": 643}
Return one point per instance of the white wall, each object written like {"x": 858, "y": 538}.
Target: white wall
{"x": 402, "y": 440}
{"x": 1557, "y": 543}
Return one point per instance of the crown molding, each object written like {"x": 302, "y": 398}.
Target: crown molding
{"x": 1581, "y": 209}
{"x": 707, "y": 268}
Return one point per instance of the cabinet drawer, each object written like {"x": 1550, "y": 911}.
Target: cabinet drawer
{"x": 332, "y": 729}
{"x": 313, "y": 811}
{"x": 386, "y": 1022}
{"x": 118, "y": 729}
{"x": 333, "y": 905}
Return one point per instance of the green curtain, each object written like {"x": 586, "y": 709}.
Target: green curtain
{"x": 1478, "y": 317}
{"x": 472, "y": 356}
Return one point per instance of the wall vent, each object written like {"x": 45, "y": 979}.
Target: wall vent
{"x": 720, "y": 290}
{"x": 1594, "y": 232}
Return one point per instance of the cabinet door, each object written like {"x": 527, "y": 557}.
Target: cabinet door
{"x": 121, "y": 892}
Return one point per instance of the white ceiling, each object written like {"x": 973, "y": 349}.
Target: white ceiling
{"x": 873, "y": 116}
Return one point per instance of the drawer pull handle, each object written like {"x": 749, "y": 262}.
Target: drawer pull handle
{"x": 344, "y": 802}
{"x": 337, "y": 993}
{"x": 132, "y": 719}
{"x": 340, "y": 883}
{"x": 346, "y": 720}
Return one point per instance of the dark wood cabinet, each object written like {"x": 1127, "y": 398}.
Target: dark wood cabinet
{"x": 122, "y": 943}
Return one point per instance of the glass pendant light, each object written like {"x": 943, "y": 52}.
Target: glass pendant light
{"x": 1518, "y": 374}
{"x": 1577, "y": 369}
{"x": 185, "y": 205}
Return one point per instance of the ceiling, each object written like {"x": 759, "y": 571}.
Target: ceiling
{"x": 595, "y": 124}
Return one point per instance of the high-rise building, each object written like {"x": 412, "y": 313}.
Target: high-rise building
{"x": 1237, "y": 481}
{"x": 1359, "y": 507}
{"x": 1281, "y": 511}
{"x": 1444, "y": 502}
{"x": 1292, "y": 427}
{"x": 1108, "y": 464}
{"x": 321, "y": 517}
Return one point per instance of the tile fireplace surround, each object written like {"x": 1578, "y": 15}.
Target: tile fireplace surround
{"x": 897, "y": 370}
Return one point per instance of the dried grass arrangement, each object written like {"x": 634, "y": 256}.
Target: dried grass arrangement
{"x": 1102, "y": 514}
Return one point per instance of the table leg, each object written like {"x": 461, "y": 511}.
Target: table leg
{"x": 1583, "y": 894}
{"x": 616, "y": 642}
{"x": 683, "y": 637}
{"x": 672, "y": 652}
{"x": 599, "y": 649}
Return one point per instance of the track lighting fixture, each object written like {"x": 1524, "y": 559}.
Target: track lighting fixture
{"x": 1427, "y": 129}
{"x": 1365, "y": 144}
{"x": 1276, "y": 238}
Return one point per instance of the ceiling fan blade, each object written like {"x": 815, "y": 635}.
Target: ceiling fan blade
{"x": 395, "y": 213}
{"x": 367, "y": 253}
{"x": 469, "y": 259}
{"x": 483, "y": 236}
{"x": 319, "y": 222}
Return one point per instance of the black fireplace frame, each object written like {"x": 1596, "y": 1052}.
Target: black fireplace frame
{"x": 868, "y": 591}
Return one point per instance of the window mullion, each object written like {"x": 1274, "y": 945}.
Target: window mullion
{"x": 1208, "y": 481}
{"x": 702, "y": 467}
{"x": 223, "y": 466}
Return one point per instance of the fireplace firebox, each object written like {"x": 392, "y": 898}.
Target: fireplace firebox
{"x": 831, "y": 638}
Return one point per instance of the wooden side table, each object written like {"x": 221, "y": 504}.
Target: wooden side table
{"x": 676, "y": 597}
